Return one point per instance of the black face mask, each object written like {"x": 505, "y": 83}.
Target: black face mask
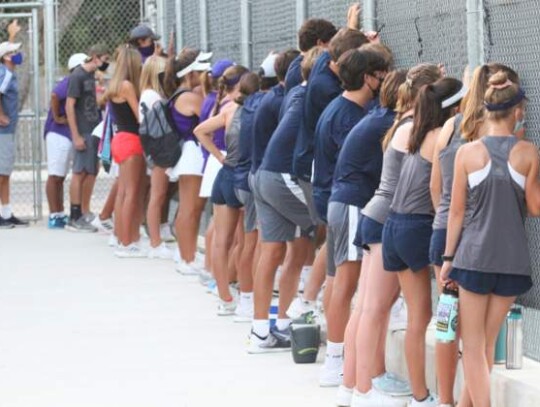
{"x": 104, "y": 66}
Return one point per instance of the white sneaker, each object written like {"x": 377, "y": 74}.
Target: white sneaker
{"x": 398, "y": 316}
{"x": 429, "y": 402}
{"x": 176, "y": 256}
{"x": 132, "y": 250}
{"x": 243, "y": 313}
{"x": 300, "y": 307}
{"x": 270, "y": 344}
{"x": 375, "y": 399}
{"x": 344, "y": 396}
{"x": 113, "y": 241}
{"x": 143, "y": 232}
{"x": 226, "y": 308}
{"x": 331, "y": 376}
{"x": 160, "y": 252}
{"x": 186, "y": 269}
{"x": 103, "y": 226}
{"x": 205, "y": 277}
{"x": 166, "y": 233}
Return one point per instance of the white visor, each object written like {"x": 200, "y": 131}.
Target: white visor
{"x": 198, "y": 65}
{"x": 454, "y": 98}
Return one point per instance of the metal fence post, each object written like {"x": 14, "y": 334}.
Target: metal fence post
{"x": 369, "y": 15}
{"x": 475, "y": 33}
{"x": 37, "y": 128}
{"x": 50, "y": 46}
{"x": 160, "y": 29}
{"x": 203, "y": 21}
{"x": 301, "y": 12}
{"x": 178, "y": 22}
{"x": 245, "y": 23}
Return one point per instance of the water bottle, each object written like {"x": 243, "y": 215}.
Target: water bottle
{"x": 447, "y": 316}
{"x": 514, "y": 339}
{"x": 500, "y": 346}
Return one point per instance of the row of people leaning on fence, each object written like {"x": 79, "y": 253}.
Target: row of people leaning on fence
{"x": 327, "y": 164}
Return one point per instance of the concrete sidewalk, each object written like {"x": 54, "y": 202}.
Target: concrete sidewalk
{"x": 79, "y": 327}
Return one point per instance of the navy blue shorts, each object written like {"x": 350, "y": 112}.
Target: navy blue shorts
{"x": 504, "y": 285}
{"x": 437, "y": 246}
{"x": 369, "y": 231}
{"x": 405, "y": 242}
{"x": 223, "y": 190}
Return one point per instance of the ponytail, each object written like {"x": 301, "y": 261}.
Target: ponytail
{"x": 222, "y": 90}
{"x": 206, "y": 83}
{"x": 227, "y": 83}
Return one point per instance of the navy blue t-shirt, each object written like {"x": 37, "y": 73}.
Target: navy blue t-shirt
{"x": 359, "y": 166}
{"x": 335, "y": 123}
{"x": 247, "y": 117}
{"x": 323, "y": 87}
{"x": 266, "y": 121}
{"x": 294, "y": 73}
{"x": 279, "y": 153}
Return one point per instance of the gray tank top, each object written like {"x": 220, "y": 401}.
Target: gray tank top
{"x": 494, "y": 239}
{"x": 413, "y": 195}
{"x": 446, "y": 163}
{"x": 378, "y": 208}
{"x": 232, "y": 139}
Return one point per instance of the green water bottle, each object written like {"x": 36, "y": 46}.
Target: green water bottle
{"x": 447, "y": 316}
{"x": 500, "y": 346}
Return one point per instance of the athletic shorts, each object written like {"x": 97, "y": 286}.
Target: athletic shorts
{"x": 437, "y": 246}
{"x": 190, "y": 163}
{"x": 504, "y": 285}
{"x": 282, "y": 209}
{"x": 7, "y": 153}
{"x": 87, "y": 160}
{"x": 60, "y": 154}
{"x": 209, "y": 176}
{"x": 307, "y": 189}
{"x": 342, "y": 225}
{"x": 405, "y": 240}
{"x": 125, "y": 145}
{"x": 368, "y": 232}
{"x": 223, "y": 190}
{"x": 250, "y": 215}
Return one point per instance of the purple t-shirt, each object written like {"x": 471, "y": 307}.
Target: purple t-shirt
{"x": 60, "y": 91}
{"x": 206, "y": 112}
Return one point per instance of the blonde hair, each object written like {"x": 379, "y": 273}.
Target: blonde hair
{"x": 501, "y": 90}
{"x": 151, "y": 69}
{"x": 309, "y": 61}
{"x": 472, "y": 106}
{"x": 417, "y": 77}
{"x": 128, "y": 68}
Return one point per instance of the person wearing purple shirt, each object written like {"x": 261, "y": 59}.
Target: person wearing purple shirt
{"x": 59, "y": 147}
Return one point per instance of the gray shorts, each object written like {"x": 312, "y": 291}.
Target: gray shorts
{"x": 7, "y": 153}
{"x": 307, "y": 189}
{"x": 342, "y": 225}
{"x": 281, "y": 208}
{"x": 87, "y": 160}
{"x": 250, "y": 215}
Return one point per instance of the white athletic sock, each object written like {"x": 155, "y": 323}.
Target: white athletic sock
{"x": 246, "y": 299}
{"x": 283, "y": 324}
{"x": 334, "y": 354}
{"x": 5, "y": 212}
{"x": 261, "y": 327}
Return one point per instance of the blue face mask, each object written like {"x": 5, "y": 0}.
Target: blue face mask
{"x": 17, "y": 58}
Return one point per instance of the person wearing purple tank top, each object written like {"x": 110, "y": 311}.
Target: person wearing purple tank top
{"x": 486, "y": 254}
{"x": 183, "y": 74}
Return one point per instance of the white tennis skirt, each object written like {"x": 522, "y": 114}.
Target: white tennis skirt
{"x": 210, "y": 173}
{"x": 191, "y": 162}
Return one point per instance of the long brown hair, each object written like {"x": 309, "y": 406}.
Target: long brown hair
{"x": 390, "y": 86}
{"x": 226, "y": 83}
{"x": 420, "y": 75}
{"x": 128, "y": 68}
{"x": 175, "y": 64}
{"x": 472, "y": 106}
{"x": 428, "y": 111}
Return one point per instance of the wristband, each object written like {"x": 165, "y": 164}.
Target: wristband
{"x": 447, "y": 258}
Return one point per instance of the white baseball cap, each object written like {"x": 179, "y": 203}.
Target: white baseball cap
{"x": 8, "y": 47}
{"x": 75, "y": 60}
{"x": 268, "y": 66}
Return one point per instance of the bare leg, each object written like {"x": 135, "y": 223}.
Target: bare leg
{"x": 318, "y": 275}
{"x": 272, "y": 254}
{"x": 75, "y": 188}
{"x": 189, "y": 215}
{"x": 416, "y": 288}
{"x": 158, "y": 191}
{"x": 290, "y": 276}
{"x": 54, "y": 189}
{"x": 226, "y": 219}
{"x": 108, "y": 208}
{"x": 208, "y": 245}
{"x": 246, "y": 266}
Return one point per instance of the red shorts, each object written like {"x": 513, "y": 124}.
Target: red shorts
{"x": 125, "y": 145}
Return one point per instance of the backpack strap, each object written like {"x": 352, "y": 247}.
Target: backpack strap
{"x": 170, "y": 103}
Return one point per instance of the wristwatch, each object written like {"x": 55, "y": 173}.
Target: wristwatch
{"x": 447, "y": 258}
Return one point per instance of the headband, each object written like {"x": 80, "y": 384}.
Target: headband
{"x": 454, "y": 98}
{"x": 497, "y": 107}
{"x": 234, "y": 80}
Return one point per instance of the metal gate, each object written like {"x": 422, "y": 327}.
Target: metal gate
{"x": 26, "y": 192}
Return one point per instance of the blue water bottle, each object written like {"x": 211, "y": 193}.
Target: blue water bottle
{"x": 447, "y": 316}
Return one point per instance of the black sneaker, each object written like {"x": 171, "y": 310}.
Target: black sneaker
{"x": 6, "y": 224}
{"x": 18, "y": 223}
